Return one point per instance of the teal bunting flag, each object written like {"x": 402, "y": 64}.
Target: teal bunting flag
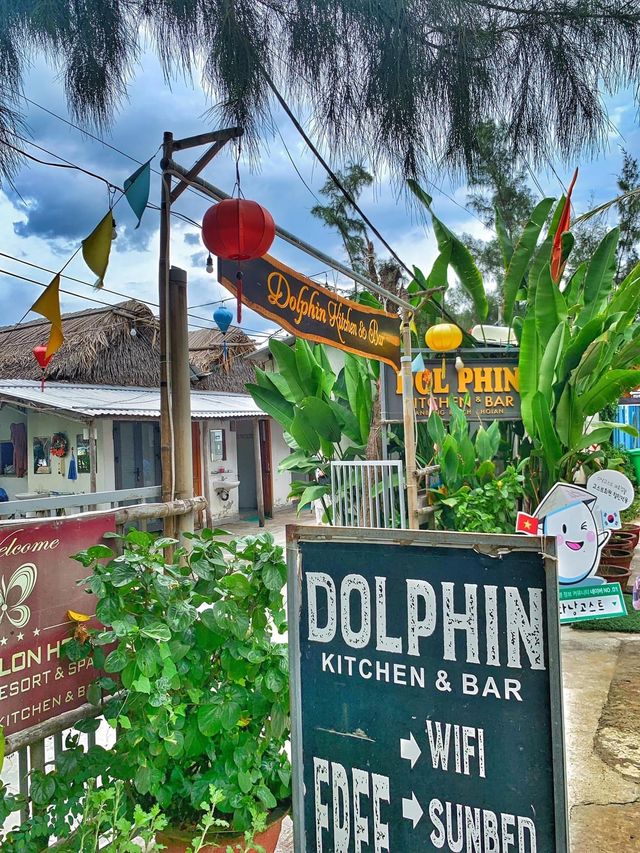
{"x": 136, "y": 190}
{"x": 417, "y": 365}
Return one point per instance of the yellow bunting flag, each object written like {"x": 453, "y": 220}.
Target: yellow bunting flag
{"x": 49, "y": 306}
{"x": 97, "y": 247}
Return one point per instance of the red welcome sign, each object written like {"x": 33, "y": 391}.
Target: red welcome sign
{"x": 37, "y": 588}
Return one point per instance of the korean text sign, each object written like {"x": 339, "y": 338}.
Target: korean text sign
{"x": 426, "y": 687}
{"x": 38, "y": 586}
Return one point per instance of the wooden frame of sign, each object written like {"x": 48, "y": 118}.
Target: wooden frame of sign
{"x": 426, "y": 691}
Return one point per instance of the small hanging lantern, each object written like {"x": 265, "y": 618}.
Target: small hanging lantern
{"x": 443, "y": 338}
{"x": 222, "y": 317}
{"x": 237, "y": 229}
{"x": 40, "y": 355}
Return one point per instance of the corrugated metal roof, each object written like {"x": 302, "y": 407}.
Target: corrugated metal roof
{"x": 95, "y": 401}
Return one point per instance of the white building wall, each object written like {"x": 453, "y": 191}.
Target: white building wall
{"x": 281, "y": 480}
{"x": 10, "y": 483}
{"x": 219, "y": 509}
{"x": 41, "y": 424}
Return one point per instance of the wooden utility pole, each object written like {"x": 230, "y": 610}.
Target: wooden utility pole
{"x": 180, "y": 375}
{"x": 175, "y": 388}
{"x": 409, "y": 422}
{"x": 166, "y": 437}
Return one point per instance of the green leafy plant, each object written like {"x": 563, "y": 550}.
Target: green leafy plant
{"x": 489, "y": 508}
{"x": 579, "y": 351}
{"x": 324, "y": 416}
{"x": 471, "y": 495}
{"x": 206, "y": 699}
{"x": 464, "y": 458}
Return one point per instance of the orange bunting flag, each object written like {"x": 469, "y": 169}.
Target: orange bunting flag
{"x": 96, "y": 248}
{"x": 557, "y": 266}
{"x": 49, "y": 306}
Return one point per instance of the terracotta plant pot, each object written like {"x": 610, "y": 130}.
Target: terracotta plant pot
{"x": 177, "y": 841}
{"x": 615, "y": 574}
{"x": 626, "y": 539}
{"x": 632, "y": 527}
{"x": 615, "y": 556}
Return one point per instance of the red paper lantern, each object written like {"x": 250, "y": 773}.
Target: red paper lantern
{"x": 40, "y": 354}
{"x": 41, "y": 357}
{"x": 238, "y": 230}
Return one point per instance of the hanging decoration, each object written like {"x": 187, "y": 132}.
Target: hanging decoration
{"x": 40, "y": 355}
{"x": 443, "y": 337}
{"x": 557, "y": 265}
{"x": 59, "y": 445}
{"x": 417, "y": 365}
{"x": 222, "y": 317}
{"x": 96, "y": 248}
{"x": 73, "y": 468}
{"x": 237, "y": 229}
{"x": 136, "y": 190}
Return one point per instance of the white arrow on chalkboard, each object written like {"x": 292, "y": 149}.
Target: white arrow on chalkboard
{"x": 410, "y": 750}
{"x": 412, "y": 810}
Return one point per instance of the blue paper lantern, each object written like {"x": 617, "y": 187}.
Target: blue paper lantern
{"x": 222, "y": 317}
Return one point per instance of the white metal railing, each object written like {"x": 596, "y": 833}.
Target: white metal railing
{"x": 368, "y": 494}
{"x": 58, "y": 504}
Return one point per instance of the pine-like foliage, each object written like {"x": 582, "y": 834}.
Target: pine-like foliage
{"x": 407, "y": 82}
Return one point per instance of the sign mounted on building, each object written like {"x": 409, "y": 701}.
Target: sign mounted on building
{"x": 38, "y": 588}
{"x": 426, "y": 691}
{"x": 313, "y": 312}
{"x": 488, "y": 388}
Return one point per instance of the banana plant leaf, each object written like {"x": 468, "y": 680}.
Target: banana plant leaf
{"x": 550, "y": 359}
{"x": 304, "y": 432}
{"x": 609, "y": 388}
{"x": 599, "y": 278}
{"x": 273, "y": 403}
{"x": 529, "y": 363}
{"x": 321, "y": 415}
{"x": 522, "y": 255}
{"x": 461, "y": 260}
{"x": 285, "y": 359}
{"x": 550, "y": 307}
{"x": 549, "y": 441}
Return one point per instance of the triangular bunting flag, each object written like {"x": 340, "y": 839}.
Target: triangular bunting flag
{"x": 417, "y": 365}
{"x": 97, "y": 247}
{"x": 136, "y": 190}
{"x": 48, "y": 305}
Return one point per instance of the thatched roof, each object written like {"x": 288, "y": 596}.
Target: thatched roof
{"x": 218, "y": 374}
{"x": 100, "y": 350}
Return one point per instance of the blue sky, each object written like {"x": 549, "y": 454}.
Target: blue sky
{"x": 56, "y": 208}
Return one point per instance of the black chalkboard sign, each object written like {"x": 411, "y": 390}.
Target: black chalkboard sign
{"x": 426, "y": 693}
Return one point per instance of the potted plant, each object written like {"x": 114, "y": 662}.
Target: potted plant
{"x": 204, "y": 713}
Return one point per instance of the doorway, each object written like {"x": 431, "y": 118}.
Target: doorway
{"x": 136, "y": 446}
{"x": 247, "y": 473}
{"x": 245, "y": 449}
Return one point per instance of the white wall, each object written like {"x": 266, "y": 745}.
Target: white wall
{"x": 10, "y": 483}
{"x": 281, "y": 480}
{"x": 219, "y": 509}
{"x": 43, "y": 425}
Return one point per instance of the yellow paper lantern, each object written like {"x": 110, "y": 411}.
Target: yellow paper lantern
{"x": 443, "y": 337}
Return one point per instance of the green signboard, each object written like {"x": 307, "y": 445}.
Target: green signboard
{"x": 592, "y": 601}
{"x": 426, "y": 692}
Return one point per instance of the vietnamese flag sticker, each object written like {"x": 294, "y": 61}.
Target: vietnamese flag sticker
{"x": 528, "y": 524}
